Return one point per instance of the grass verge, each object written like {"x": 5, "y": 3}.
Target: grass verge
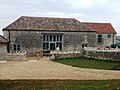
{"x": 83, "y": 62}
{"x": 59, "y": 85}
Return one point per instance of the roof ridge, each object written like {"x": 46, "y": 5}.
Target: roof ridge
{"x": 97, "y": 22}
{"x": 49, "y": 17}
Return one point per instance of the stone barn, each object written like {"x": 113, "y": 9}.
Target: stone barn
{"x": 44, "y": 33}
{"x": 3, "y": 45}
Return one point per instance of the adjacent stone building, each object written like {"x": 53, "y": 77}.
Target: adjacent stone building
{"x": 105, "y": 33}
{"x": 3, "y": 45}
{"x": 43, "y": 33}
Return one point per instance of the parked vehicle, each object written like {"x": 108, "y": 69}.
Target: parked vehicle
{"x": 115, "y": 45}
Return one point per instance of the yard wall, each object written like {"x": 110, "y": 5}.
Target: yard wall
{"x": 106, "y": 55}
{"x": 64, "y": 56}
{"x": 3, "y": 48}
{"x": 13, "y": 56}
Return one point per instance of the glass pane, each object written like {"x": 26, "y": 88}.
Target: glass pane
{"x": 54, "y": 38}
{"x": 57, "y": 44}
{"x": 45, "y": 46}
{"x": 50, "y": 38}
{"x": 14, "y": 47}
{"x": 109, "y": 36}
{"x": 60, "y": 38}
{"x": 44, "y": 38}
{"x": 57, "y": 38}
{"x": 99, "y": 38}
{"x": 18, "y": 47}
{"x": 60, "y": 46}
{"x": 47, "y": 38}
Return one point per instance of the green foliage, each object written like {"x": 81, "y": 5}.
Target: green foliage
{"x": 59, "y": 84}
{"x": 83, "y": 62}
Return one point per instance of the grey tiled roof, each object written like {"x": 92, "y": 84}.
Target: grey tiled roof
{"x": 47, "y": 23}
{"x": 2, "y": 39}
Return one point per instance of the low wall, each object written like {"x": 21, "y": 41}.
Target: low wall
{"x": 64, "y": 55}
{"x": 13, "y": 56}
{"x": 106, "y": 55}
{"x": 3, "y": 48}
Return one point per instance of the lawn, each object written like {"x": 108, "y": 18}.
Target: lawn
{"x": 59, "y": 85}
{"x": 83, "y": 62}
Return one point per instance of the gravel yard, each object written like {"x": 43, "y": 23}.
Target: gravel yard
{"x": 45, "y": 69}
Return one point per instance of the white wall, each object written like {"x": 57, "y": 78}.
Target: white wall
{"x": 107, "y": 41}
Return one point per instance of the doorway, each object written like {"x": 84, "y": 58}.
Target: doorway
{"x": 52, "y": 46}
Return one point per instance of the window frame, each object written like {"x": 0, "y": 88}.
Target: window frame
{"x": 53, "y": 39}
{"x": 109, "y": 36}
{"x": 100, "y": 39}
{"x": 16, "y": 47}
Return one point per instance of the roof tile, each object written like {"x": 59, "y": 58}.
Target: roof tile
{"x": 2, "y": 39}
{"x": 105, "y": 28}
{"x": 47, "y": 23}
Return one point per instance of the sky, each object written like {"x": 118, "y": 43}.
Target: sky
{"x": 103, "y": 11}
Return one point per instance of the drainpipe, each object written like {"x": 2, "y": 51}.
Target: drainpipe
{"x": 9, "y": 41}
{"x": 113, "y": 38}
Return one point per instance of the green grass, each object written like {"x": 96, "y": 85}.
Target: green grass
{"x": 59, "y": 85}
{"x": 83, "y": 62}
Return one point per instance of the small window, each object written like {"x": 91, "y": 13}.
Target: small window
{"x": 100, "y": 40}
{"x": 16, "y": 47}
{"x": 84, "y": 45}
{"x": 109, "y": 36}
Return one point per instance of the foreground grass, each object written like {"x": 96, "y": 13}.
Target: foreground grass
{"x": 83, "y": 62}
{"x": 59, "y": 85}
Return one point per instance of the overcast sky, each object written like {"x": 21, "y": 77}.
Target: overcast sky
{"x": 83, "y": 10}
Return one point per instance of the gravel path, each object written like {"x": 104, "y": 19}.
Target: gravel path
{"x": 52, "y": 70}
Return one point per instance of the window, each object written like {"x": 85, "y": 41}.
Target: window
{"x": 48, "y": 41}
{"x": 109, "y": 36}
{"x": 100, "y": 40}
{"x": 46, "y": 45}
{"x": 16, "y": 47}
{"x": 84, "y": 45}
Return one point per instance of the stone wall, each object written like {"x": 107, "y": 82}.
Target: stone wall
{"x": 106, "y": 55}
{"x": 28, "y": 40}
{"x": 3, "y": 48}
{"x": 65, "y": 56}
{"x": 31, "y": 41}
{"x": 13, "y": 56}
{"x": 74, "y": 40}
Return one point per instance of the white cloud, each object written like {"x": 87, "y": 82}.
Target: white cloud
{"x": 86, "y": 3}
{"x": 83, "y": 10}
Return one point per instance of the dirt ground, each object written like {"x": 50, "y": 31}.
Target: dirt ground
{"x": 45, "y": 69}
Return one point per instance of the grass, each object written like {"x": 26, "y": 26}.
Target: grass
{"x": 59, "y": 85}
{"x": 83, "y": 62}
